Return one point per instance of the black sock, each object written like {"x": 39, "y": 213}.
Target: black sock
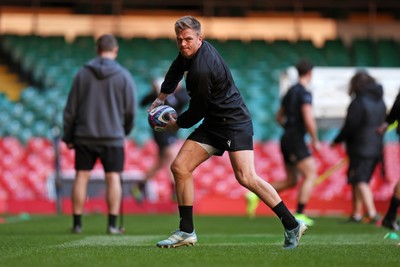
{"x": 287, "y": 219}
{"x": 186, "y": 219}
{"x": 112, "y": 220}
{"x": 391, "y": 213}
{"x": 300, "y": 207}
{"x": 77, "y": 220}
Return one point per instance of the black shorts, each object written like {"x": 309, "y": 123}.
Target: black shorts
{"x": 112, "y": 158}
{"x": 225, "y": 137}
{"x": 164, "y": 139}
{"x": 361, "y": 169}
{"x": 294, "y": 148}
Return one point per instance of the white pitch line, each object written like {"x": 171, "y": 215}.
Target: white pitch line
{"x": 127, "y": 240}
{"x": 150, "y": 240}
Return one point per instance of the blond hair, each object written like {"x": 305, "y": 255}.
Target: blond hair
{"x": 187, "y": 22}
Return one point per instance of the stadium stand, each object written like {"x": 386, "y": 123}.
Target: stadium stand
{"x": 49, "y": 64}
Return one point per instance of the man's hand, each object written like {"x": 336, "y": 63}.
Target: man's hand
{"x": 316, "y": 145}
{"x": 155, "y": 104}
{"x": 158, "y": 102}
{"x": 382, "y": 129}
{"x": 171, "y": 126}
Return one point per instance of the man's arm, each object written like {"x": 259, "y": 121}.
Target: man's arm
{"x": 280, "y": 116}
{"x": 310, "y": 124}
{"x": 69, "y": 114}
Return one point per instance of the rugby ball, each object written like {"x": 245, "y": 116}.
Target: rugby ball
{"x": 159, "y": 117}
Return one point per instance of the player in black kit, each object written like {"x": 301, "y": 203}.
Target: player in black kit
{"x": 226, "y": 126}
{"x": 296, "y": 117}
{"x": 165, "y": 141}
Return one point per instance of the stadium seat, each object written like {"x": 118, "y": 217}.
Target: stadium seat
{"x": 336, "y": 54}
{"x": 387, "y": 53}
{"x": 361, "y": 53}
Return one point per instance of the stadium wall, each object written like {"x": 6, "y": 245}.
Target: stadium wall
{"x": 272, "y": 27}
{"x": 269, "y": 26}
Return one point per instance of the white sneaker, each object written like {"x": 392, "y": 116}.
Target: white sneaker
{"x": 114, "y": 230}
{"x": 177, "y": 239}
{"x": 292, "y": 237}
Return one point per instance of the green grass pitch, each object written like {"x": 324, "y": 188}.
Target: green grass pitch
{"x": 223, "y": 241}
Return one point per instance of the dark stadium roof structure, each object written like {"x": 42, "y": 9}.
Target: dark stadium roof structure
{"x": 339, "y": 9}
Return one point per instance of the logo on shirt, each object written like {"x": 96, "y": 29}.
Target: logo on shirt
{"x": 229, "y": 143}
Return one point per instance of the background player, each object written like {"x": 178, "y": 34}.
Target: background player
{"x": 296, "y": 117}
{"x": 166, "y": 141}
{"x": 364, "y": 143}
{"x": 98, "y": 115}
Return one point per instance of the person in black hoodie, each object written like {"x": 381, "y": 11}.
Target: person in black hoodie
{"x": 364, "y": 143}
{"x": 226, "y": 126}
{"x": 99, "y": 114}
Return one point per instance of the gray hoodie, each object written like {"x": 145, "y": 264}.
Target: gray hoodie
{"x": 101, "y": 105}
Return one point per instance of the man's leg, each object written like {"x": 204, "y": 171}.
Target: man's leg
{"x": 113, "y": 197}
{"x": 357, "y": 204}
{"x": 389, "y": 221}
{"x": 367, "y": 199}
{"x": 308, "y": 170}
{"x": 79, "y": 189}
{"x": 112, "y": 159}
{"x": 289, "y": 182}
{"x": 243, "y": 166}
{"x": 190, "y": 156}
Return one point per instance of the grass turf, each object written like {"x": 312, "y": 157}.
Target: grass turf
{"x": 223, "y": 241}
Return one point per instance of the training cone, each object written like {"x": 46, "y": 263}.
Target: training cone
{"x": 391, "y": 235}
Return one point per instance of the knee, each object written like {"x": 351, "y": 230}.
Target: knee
{"x": 248, "y": 182}
{"x": 178, "y": 169}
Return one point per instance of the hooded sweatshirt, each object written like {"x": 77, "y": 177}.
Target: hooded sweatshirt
{"x": 101, "y": 105}
{"x": 365, "y": 114}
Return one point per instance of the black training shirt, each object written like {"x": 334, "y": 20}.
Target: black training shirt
{"x": 209, "y": 83}
{"x": 292, "y": 102}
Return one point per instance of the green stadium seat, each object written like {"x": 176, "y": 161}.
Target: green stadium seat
{"x": 306, "y": 49}
{"x": 336, "y": 53}
{"x": 363, "y": 53}
{"x": 84, "y": 41}
{"x": 27, "y": 119}
{"x": 387, "y": 53}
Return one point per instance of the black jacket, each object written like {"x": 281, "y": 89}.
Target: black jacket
{"x": 366, "y": 113}
{"x": 101, "y": 105}
{"x": 209, "y": 83}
